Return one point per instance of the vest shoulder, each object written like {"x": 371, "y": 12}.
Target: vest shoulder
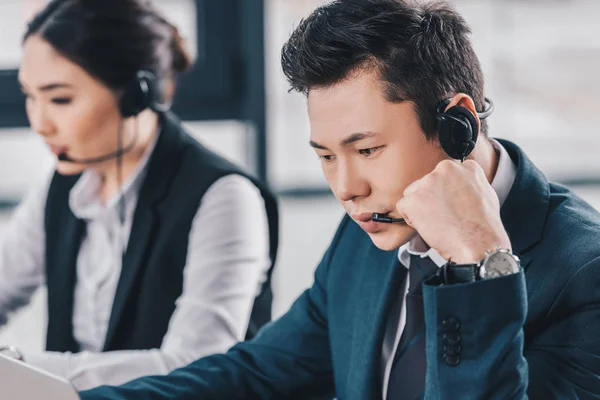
{"x": 199, "y": 167}
{"x": 196, "y": 154}
{"x": 200, "y": 162}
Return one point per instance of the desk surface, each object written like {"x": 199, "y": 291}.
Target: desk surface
{"x": 24, "y": 382}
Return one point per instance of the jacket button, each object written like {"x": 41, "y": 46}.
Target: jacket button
{"x": 452, "y": 349}
{"x": 451, "y": 324}
{"x": 452, "y": 338}
{"x": 452, "y": 360}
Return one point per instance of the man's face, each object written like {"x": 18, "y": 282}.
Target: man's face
{"x": 371, "y": 150}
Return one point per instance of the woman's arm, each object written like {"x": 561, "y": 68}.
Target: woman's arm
{"x": 228, "y": 257}
{"x": 22, "y": 251}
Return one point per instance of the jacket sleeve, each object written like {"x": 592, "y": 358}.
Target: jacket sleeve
{"x": 564, "y": 357}
{"x": 290, "y": 358}
{"x": 476, "y": 347}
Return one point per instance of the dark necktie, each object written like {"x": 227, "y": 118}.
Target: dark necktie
{"x": 407, "y": 378}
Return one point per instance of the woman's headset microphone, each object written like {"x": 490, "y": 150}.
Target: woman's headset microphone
{"x": 127, "y": 251}
{"x": 141, "y": 94}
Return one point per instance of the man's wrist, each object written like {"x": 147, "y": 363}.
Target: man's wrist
{"x": 477, "y": 253}
{"x": 497, "y": 263}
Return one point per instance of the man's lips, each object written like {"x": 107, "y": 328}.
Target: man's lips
{"x": 362, "y": 217}
{"x": 370, "y": 226}
{"x": 365, "y": 221}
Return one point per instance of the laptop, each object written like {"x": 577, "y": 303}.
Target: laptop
{"x": 19, "y": 381}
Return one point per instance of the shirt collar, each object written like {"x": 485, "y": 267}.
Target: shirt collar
{"x": 83, "y": 198}
{"x": 502, "y": 183}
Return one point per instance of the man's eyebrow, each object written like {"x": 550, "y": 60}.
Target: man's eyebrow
{"x": 317, "y": 145}
{"x": 353, "y": 138}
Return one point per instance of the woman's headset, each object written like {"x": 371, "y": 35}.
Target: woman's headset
{"x": 458, "y": 128}
{"x": 142, "y": 93}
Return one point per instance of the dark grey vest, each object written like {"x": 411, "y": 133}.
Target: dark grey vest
{"x": 180, "y": 171}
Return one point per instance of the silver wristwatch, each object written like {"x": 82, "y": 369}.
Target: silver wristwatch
{"x": 499, "y": 263}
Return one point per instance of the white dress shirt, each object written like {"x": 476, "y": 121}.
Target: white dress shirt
{"x": 227, "y": 261}
{"x": 502, "y": 183}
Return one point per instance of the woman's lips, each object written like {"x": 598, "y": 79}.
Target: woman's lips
{"x": 57, "y": 150}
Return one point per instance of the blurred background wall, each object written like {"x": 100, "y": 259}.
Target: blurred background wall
{"x": 541, "y": 59}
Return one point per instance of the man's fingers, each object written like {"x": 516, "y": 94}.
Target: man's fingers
{"x": 415, "y": 186}
{"x": 402, "y": 208}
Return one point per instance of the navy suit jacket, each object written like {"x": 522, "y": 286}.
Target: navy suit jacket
{"x": 533, "y": 335}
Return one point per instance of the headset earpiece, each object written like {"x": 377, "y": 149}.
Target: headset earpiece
{"x": 139, "y": 95}
{"x": 458, "y": 132}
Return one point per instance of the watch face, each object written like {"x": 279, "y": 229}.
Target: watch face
{"x": 500, "y": 264}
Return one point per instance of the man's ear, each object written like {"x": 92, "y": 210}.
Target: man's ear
{"x": 464, "y": 100}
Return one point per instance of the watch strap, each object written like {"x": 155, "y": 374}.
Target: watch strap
{"x": 452, "y": 273}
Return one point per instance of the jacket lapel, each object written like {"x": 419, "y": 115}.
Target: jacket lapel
{"x": 382, "y": 276}
{"x": 161, "y": 170}
{"x": 525, "y": 210}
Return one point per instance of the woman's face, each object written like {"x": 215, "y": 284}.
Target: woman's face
{"x": 75, "y": 113}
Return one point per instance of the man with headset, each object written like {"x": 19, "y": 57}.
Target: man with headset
{"x": 459, "y": 272}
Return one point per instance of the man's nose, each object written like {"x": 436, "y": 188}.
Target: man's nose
{"x": 351, "y": 184}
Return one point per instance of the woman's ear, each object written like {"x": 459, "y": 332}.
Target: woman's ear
{"x": 168, "y": 90}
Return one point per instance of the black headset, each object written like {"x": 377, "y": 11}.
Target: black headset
{"x": 458, "y": 131}
{"x": 142, "y": 93}
{"x": 458, "y": 128}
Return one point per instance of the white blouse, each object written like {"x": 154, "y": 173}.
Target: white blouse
{"x": 227, "y": 261}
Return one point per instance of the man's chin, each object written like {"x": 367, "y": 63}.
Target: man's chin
{"x": 392, "y": 239}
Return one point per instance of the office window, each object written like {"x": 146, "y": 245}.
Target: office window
{"x": 540, "y": 59}
{"x": 15, "y": 13}
{"x": 23, "y": 151}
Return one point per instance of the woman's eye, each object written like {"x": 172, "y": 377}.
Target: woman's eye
{"x": 61, "y": 100}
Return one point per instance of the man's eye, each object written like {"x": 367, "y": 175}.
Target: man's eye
{"x": 370, "y": 151}
{"x": 327, "y": 158}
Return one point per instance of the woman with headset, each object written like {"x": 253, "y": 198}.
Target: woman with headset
{"x": 154, "y": 250}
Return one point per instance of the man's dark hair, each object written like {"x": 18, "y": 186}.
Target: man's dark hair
{"x": 421, "y": 50}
